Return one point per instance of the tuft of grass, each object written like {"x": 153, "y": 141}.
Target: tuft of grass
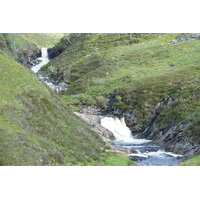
{"x": 193, "y": 161}
{"x": 114, "y": 159}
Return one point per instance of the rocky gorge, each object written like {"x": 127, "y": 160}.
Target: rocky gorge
{"x": 155, "y": 102}
{"x": 147, "y": 83}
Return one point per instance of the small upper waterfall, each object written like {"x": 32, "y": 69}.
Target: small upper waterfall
{"x": 44, "y": 52}
{"x": 43, "y": 60}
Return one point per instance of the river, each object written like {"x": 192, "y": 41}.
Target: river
{"x": 146, "y": 153}
{"x": 43, "y": 60}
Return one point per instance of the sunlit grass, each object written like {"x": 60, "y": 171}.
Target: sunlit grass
{"x": 37, "y": 129}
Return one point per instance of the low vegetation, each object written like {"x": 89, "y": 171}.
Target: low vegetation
{"x": 193, "y": 161}
{"x": 37, "y": 129}
{"x": 43, "y": 39}
{"x": 25, "y": 47}
{"x": 137, "y": 75}
{"x": 15, "y": 47}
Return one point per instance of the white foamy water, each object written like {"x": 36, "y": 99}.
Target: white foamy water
{"x": 147, "y": 153}
{"x": 119, "y": 129}
{"x": 161, "y": 153}
{"x": 44, "y": 60}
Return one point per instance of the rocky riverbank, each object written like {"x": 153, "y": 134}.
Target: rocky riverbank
{"x": 172, "y": 137}
{"x": 92, "y": 117}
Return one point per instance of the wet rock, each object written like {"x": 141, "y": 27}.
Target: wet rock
{"x": 29, "y": 56}
{"x": 174, "y": 138}
{"x": 91, "y": 116}
{"x": 137, "y": 157}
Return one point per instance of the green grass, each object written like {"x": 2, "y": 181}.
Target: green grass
{"x": 37, "y": 129}
{"x": 12, "y": 45}
{"x": 43, "y": 39}
{"x": 114, "y": 159}
{"x": 193, "y": 161}
{"x": 132, "y": 75}
{"x": 126, "y": 73}
{"x": 17, "y": 45}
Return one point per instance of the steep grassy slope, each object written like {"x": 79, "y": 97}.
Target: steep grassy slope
{"x": 42, "y": 39}
{"x": 154, "y": 84}
{"x": 25, "y": 47}
{"x": 85, "y": 52}
{"x": 36, "y": 129}
{"x": 15, "y": 47}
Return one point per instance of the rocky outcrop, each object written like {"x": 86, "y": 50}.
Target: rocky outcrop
{"x": 173, "y": 138}
{"x": 19, "y": 49}
{"x": 92, "y": 117}
{"x": 28, "y": 57}
{"x": 182, "y": 37}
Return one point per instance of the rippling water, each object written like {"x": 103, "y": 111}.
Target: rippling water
{"x": 146, "y": 152}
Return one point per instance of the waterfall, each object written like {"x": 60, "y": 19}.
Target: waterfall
{"x": 44, "y": 52}
{"x": 119, "y": 129}
{"x": 43, "y": 60}
{"x": 145, "y": 152}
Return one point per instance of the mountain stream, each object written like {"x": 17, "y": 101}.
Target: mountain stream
{"x": 43, "y": 60}
{"x": 146, "y": 152}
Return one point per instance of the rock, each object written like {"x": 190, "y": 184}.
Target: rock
{"x": 95, "y": 121}
{"x": 182, "y": 37}
{"x": 136, "y": 157}
{"x": 173, "y": 42}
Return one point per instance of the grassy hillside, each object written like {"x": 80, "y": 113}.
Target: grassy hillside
{"x": 25, "y": 47}
{"x": 137, "y": 75}
{"x": 14, "y": 46}
{"x": 194, "y": 161}
{"x": 43, "y": 39}
{"x": 121, "y": 73}
{"x": 37, "y": 129}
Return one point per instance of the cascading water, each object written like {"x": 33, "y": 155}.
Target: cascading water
{"x": 148, "y": 153}
{"x": 43, "y": 60}
{"x": 120, "y": 131}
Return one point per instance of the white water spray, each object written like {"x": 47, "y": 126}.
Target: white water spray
{"x": 147, "y": 153}
{"x": 119, "y": 129}
{"x": 43, "y": 60}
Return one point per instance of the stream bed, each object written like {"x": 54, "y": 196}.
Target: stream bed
{"x": 146, "y": 153}
{"x": 43, "y": 60}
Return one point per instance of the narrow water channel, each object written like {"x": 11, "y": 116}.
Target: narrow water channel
{"x": 43, "y": 60}
{"x": 146, "y": 153}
